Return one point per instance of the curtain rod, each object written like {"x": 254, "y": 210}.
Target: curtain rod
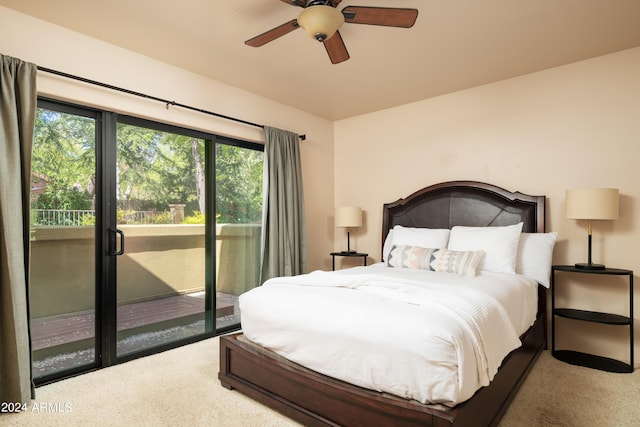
{"x": 154, "y": 98}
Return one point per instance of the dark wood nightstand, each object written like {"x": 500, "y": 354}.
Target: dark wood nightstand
{"x": 347, "y": 254}
{"x": 583, "y": 359}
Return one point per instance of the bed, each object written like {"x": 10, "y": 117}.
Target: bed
{"x": 312, "y": 398}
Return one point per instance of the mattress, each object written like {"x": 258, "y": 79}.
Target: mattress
{"x": 421, "y": 335}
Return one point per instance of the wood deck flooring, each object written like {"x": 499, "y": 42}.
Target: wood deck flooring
{"x": 62, "y": 329}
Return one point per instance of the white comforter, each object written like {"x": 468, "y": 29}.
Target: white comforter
{"x": 431, "y": 337}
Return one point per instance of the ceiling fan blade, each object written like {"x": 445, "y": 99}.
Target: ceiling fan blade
{"x": 336, "y": 49}
{"x": 300, "y": 3}
{"x": 334, "y": 3}
{"x": 272, "y": 34}
{"x": 387, "y": 16}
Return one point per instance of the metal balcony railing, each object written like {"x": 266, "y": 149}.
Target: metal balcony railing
{"x": 62, "y": 218}
{"x": 76, "y": 218}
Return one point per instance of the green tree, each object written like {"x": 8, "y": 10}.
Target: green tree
{"x": 157, "y": 168}
{"x": 62, "y": 197}
{"x": 64, "y": 156}
{"x": 238, "y": 184}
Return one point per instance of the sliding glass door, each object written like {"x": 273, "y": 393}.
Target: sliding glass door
{"x": 63, "y": 240}
{"x": 238, "y": 183}
{"x": 143, "y": 237}
{"x": 160, "y": 238}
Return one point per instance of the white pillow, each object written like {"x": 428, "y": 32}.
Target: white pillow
{"x": 499, "y": 244}
{"x": 535, "y": 251}
{"x": 436, "y": 238}
{"x": 388, "y": 244}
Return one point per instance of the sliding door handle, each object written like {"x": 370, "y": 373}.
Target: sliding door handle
{"x": 121, "y": 251}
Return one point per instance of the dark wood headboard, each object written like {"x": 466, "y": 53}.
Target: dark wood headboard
{"x": 468, "y": 203}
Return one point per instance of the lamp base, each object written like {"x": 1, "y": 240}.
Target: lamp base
{"x": 347, "y": 252}
{"x": 590, "y": 266}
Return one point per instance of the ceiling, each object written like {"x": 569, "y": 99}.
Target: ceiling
{"x": 454, "y": 45}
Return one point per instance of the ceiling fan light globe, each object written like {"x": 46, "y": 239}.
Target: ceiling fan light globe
{"x": 320, "y": 22}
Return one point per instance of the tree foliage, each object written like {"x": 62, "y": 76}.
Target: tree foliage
{"x": 64, "y": 156}
{"x": 238, "y": 184}
{"x": 154, "y": 169}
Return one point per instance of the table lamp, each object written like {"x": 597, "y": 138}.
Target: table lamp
{"x": 592, "y": 204}
{"x": 348, "y": 217}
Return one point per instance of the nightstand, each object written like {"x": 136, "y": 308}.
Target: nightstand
{"x": 584, "y": 359}
{"x": 347, "y": 254}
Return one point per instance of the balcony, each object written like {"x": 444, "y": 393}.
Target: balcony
{"x": 160, "y": 290}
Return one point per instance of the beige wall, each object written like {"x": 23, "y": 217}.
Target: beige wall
{"x": 543, "y": 133}
{"x": 54, "y": 47}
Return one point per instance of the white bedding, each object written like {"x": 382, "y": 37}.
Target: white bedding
{"x": 432, "y": 337}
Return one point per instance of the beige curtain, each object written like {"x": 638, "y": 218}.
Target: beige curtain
{"x": 284, "y": 251}
{"x": 17, "y": 112}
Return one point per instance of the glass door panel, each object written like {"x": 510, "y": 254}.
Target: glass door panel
{"x": 161, "y": 290}
{"x": 238, "y": 175}
{"x": 62, "y": 278}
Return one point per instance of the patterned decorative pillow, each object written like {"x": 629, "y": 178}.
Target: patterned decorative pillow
{"x": 407, "y": 256}
{"x": 462, "y": 263}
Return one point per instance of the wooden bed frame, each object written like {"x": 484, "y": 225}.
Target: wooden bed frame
{"x": 317, "y": 400}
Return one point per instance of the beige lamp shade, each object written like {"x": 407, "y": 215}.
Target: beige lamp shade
{"x": 592, "y": 203}
{"x": 349, "y": 216}
{"x": 321, "y": 22}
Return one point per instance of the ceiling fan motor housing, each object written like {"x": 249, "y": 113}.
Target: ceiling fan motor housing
{"x": 320, "y": 21}
{"x": 319, "y": 3}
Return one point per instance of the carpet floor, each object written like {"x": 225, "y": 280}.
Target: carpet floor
{"x": 180, "y": 388}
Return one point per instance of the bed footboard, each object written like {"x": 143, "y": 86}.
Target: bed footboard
{"x": 317, "y": 400}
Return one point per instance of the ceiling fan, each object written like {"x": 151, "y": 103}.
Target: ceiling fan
{"x": 321, "y": 20}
